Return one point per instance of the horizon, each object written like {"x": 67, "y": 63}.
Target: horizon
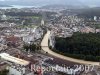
{"x": 90, "y": 3}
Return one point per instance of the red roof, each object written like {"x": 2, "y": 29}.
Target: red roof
{"x": 12, "y": 39}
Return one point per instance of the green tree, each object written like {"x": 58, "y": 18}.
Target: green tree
{"x": 81, "y": 45}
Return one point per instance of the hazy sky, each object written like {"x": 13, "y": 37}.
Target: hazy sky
{"x": 87, "y": 2}
{"x": 44, "y": 0}
{"x": 54, "y": 0}
{"x": 91, "y": 2}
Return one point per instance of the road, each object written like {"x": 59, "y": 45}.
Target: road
{"x": 44, "y": 45}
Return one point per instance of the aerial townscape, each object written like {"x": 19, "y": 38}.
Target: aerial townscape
{"x": 50, "y": 39}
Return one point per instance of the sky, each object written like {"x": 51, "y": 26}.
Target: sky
{"x": 91, "y": 2}
{"x": 44, "y": 0}
{"x": 56, "y": 0}
{"x": 86, "y": 2}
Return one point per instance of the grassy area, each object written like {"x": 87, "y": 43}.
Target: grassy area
{"x": 97, "y": 26}
{"x": 29, "y": 26}
{"x": 35, "y": 17}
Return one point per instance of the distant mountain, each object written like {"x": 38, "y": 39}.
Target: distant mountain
{"x": 42, "y": 2}
{"x": 90, "y": 13}
{"x": 91, "y": 3}
{"x": 5, "y": 6}
{"x": 56, "y": 6}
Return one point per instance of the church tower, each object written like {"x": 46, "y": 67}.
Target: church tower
{"x": 42, "y": 22}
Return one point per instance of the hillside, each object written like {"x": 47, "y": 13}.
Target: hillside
{"x": 5, "y": 6}
{"x": 80, "y": 45}
{"x": 61, "y": 6}
{"x": 42, "y": 2}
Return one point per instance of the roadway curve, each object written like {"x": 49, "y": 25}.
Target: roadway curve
{"x": 44, "y": 45}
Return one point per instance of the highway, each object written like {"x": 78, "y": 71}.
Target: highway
{"x": 44, "y": 45}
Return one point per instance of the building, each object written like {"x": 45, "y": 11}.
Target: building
{"x": 52, "y": 40}
{"x": 12, "y": 41}
{"x": 87, "y": 29}
{"x": 42, "y": 22}
{"x": 17, "y": 66}
{"x": 12, "y": 59}
{"x": 95, "y": 18}
{"x": 29, "y": 38}
{"x": 3, "y": 65}
{"x": 34, "y": 35}
{"x": 3, "y": 17}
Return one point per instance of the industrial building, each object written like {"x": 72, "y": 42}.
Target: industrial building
{"x": 17, "y": 66}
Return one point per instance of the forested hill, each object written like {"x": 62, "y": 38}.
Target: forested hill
{"x": 90, "y": 13}
{"x": 80, "y": 45}
{"x": 5, "y": 6}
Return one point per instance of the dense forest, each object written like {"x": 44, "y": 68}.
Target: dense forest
{"x": 89, "y": 13}
{"x": 22, "y": 14}
{"x": 80, "y": 45}
{"x": 85, "y": 12}
{"x": 4, "y": 72}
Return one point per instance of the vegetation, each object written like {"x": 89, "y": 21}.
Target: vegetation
{"x": 23, "y": 14}
{"x": 61, "y": 73}
{"x": 36, "y": 17}
{"x": 90, "y": 13}
{"x": 26, "y": 26}
{"x": 80, "y": 45}
{"x": 32, "y": 47}
{"x": 4, "y": 72}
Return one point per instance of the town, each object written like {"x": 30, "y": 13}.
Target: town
{"x": 28, "y": 35}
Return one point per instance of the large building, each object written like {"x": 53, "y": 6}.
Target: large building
{"x": 17, "y": 66}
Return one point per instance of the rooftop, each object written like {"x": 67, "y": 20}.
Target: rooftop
{"x": 7, "y": 57}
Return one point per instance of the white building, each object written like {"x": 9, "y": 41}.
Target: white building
{"x": 38, "y": 33}
{"x": 42, "y": 22}
{"x": 12, "y": 59}
{"x": 35, "y": 34}
{"x": 75, "y": 29}
{"x": 28, "y": 39}
{"x": 95, "y": 18}
{"x": 3, "y": 17}
{"x": 13, "y": 70}
{"x": 17, "y": 66}
{"x": 52, "y": 40}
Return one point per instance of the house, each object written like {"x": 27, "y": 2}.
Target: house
{"x": 12, "y": 41}
{"x": 87, "y": 30}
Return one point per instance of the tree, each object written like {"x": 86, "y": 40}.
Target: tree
{"x": 4, "y": 72}
{"x": 32, "y": 47}
{"x": 81, "y": 45}
{"x": 26, "y": 47}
